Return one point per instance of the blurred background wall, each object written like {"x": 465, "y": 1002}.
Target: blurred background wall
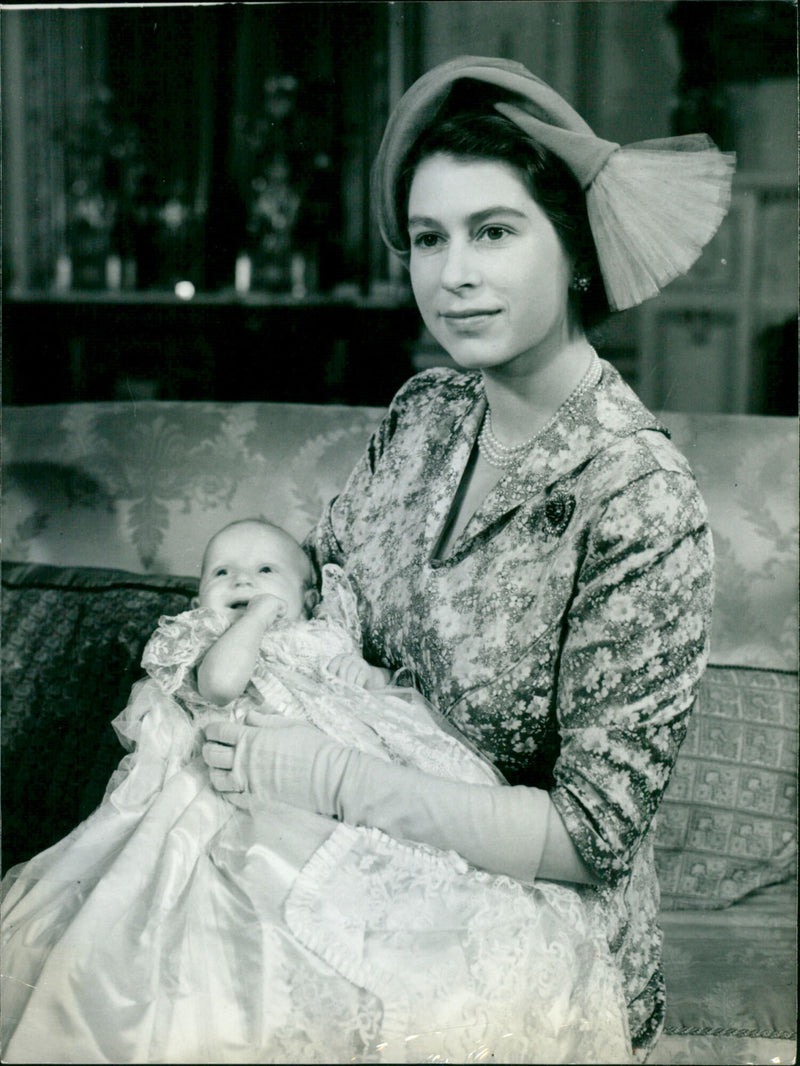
{"x": 186, "y": 209}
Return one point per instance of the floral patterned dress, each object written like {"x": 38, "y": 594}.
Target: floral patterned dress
{"x": 566, "y": 630}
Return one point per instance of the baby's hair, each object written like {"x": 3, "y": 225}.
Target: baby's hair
{"x": 311, "y": 580}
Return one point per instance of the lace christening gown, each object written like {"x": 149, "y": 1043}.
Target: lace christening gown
{"x": 171, "y": 926}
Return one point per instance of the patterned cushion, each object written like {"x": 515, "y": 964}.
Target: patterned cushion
{"x": 727, "y": 823}
{"x": 72, "y": 644}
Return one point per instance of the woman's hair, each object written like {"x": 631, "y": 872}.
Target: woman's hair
{"x": 478, "y": 133}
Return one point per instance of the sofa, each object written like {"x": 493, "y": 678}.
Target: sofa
{"x": 107, "y": 507}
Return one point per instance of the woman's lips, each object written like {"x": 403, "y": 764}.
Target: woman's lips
{"x": 469, "y": 319}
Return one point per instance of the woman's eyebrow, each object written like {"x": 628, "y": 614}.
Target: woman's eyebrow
{"x": 422, "y": 220}
{"x": 474, "y": 219}
{"x": 491, "y": 212}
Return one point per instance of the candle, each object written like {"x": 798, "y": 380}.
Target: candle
{"x": 243, "y": 274}
{"x": 63, "y": 278}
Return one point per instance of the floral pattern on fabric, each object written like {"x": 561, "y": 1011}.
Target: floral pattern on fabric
{"x": 144, "y": 486}
{"x": 567, "y": 630}
{"x": 732, "y": 981}
{"x": 512, "y": 972}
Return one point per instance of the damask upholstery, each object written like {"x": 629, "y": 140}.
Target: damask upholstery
{"x": 141, "y": 486}
{"x": 138, "y": 488}
{"x": 746, "y": 467}
{"x": 732, "y": 982}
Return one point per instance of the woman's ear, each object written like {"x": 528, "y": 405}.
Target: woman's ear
{"x": 311, "y": 599}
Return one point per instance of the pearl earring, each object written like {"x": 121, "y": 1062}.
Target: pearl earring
{"x": 581, "y": 283}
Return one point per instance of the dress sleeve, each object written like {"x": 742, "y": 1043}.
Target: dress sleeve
{"x": 176, "y": 647}
{"x": 330, "y": 541}
{"x": 635, "y": 647}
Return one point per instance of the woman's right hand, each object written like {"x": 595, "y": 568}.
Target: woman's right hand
{"x": 280, "y": 758}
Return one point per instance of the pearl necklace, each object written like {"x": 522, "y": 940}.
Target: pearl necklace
{"x": 503, "y": 457}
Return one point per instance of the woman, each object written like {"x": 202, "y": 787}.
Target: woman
{"x": 523, "y": 538}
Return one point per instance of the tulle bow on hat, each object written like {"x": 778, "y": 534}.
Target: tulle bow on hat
{"x": 652, "y": 206}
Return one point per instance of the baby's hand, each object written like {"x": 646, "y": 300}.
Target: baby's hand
{"x": 266, "y": 607}
{"x": 354, "y": 670}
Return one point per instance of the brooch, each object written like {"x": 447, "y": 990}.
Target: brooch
{"x": 558, "y": 511}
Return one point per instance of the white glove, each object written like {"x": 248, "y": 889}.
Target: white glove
{"x": 496, "y": 827}
{"x": 279, "y": 758}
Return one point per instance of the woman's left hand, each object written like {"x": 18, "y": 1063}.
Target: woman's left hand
{"x": 506, "y": 830}
{"x": 278, "y": 759}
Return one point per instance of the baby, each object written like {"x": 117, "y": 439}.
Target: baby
{"x": 257, "y": 574}
{"x": 178, "y": 925}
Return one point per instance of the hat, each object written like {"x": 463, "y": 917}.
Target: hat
{"x": 652, "y": 206}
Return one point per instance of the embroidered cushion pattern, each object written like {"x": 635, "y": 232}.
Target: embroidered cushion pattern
{"x": 72, "y": 646}
{"x": 728, "y": 821}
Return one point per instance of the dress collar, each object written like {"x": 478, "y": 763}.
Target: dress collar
{"x": 582, "y": 429}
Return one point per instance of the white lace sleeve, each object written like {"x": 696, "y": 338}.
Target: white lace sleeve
{"x": 175, "y": 649}
{"x": 339, "y": 606}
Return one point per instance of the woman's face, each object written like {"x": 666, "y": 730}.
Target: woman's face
{"x": 489, "y": 272}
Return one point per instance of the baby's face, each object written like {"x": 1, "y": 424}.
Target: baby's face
{"x": 248, "y": 560}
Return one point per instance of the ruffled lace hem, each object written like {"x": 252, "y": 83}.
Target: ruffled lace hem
{"x": 466, "y": 965}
